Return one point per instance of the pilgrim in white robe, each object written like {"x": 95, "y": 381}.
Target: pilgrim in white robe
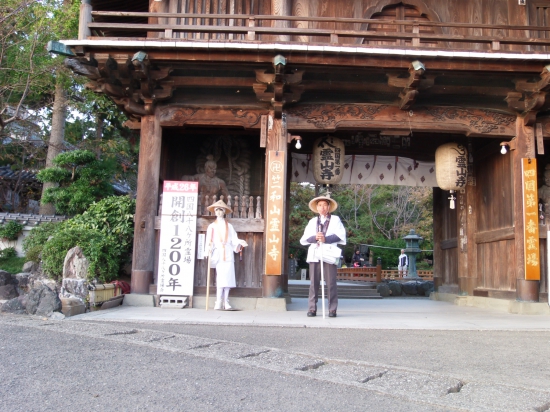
{"x": 223, "y": 248}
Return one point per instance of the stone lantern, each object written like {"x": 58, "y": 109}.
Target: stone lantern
{"x": 412, "y": 241}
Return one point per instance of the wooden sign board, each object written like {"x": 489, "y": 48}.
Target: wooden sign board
{"x": 530, "y": 219}
{"x": 274, "y": 207}
{"x": 178, "y": 233}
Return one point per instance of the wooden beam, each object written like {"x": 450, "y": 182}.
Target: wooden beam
{"x": 497, "y": 235}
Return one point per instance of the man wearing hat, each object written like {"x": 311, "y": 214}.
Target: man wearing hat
{"x": 221, "y": 242}
{"x": 324, "y": 228}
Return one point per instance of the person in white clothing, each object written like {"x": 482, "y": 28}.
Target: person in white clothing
{"x": 403, "y": 263}
{"x": 324, "y": 228}
{"x": 222, "y": 242}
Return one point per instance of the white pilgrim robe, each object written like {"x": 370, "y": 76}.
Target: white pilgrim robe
{"x": 335, "y": 227}
{"x": 225, "y": 267}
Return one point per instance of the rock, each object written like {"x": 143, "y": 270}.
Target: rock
{"x": 8, "y": 292}
{"x": 425, "y": 288}
{"x": 16, "y": 306}
{"x": 5, "y": 278}
{"x": 395, "y": 288}
{"x": 42, "y": 301}
{"x": 383, "y": 289}
{"x": 49, "y": 283}
{"x": 30, "y": 267}
{"x": 409, "y": 288}
{"x": 75, "y": 265}
{"x": 23, "y": 283}
{"x": 75, "y": 288}
{"x": 57, "y": 316}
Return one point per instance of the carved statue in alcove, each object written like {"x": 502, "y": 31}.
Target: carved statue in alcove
{"x": 234, "y": 179}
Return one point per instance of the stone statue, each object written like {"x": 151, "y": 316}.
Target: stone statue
{"x": 209, "y": 184}
{"x": 544, "y": 196}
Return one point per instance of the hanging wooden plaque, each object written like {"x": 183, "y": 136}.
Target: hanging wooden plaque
{"x": 274, "y": 207}
{"x": 530, "y": 219}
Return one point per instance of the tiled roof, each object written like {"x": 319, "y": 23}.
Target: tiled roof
{"x": 27, "y": 219}
{"x": 7, "y": 173}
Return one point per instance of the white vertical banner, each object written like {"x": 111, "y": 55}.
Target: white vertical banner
{"x": 178, "y": 233}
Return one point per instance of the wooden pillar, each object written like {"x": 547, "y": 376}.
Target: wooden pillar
{"x": 273, "y": 284}
{"x": 526, "y": 290}
{"x": 282, "y": 8}
{"x": 85, "y": 18}
{"x": 146, "y": 204}
{"x": 438, "y": 257}
{"x": 467, "y": 250}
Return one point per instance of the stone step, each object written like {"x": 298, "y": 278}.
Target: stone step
{"x": 344, "y": 292}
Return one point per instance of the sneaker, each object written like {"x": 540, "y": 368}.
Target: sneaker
{"x": 332, "y": 314}
{"x": 227, "y": 306}
{"x": 311, "y": 314}
{"x": 218, "y": 305}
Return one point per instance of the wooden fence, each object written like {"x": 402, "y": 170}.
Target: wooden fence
{"x": 376, "y": 274}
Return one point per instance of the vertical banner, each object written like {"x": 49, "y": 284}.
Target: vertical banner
{"x": 275, "y": 212}
{"x": 178, "y": 232}
{"x": 530, "y": 219}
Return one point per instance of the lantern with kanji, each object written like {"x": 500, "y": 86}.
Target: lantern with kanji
{"x": 451, "y": 168}
{"x": 328, "y": 160}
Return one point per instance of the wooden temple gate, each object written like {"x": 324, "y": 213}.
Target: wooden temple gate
{"x": 240, "y": 79}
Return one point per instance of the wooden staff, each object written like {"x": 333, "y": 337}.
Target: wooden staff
{"x": 322, "y": 278}
{"x": 208, "y": 276}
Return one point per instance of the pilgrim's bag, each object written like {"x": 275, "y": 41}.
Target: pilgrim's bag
{"x": 330, "y": 253}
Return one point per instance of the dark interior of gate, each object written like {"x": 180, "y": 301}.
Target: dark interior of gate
{"x": 240, "y": 164}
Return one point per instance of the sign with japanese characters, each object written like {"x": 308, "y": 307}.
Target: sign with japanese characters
{"x": 530, "y": 219}
{"x": 178, "y": 233}
{"x": 275, "y": 212}
{"x": 328, "y": 160}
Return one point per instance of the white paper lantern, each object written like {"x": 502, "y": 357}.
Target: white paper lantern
{"x": 451, "y": 166}
{"x": 328, "y": 160}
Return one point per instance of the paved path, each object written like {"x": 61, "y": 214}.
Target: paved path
{"x": 390, "y": 313}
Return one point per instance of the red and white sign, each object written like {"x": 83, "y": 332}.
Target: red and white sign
{"x": 178, "y": 233}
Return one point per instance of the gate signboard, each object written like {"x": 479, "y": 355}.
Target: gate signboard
{"x": 530, "y": 219}
{"x": 178, "y": 233}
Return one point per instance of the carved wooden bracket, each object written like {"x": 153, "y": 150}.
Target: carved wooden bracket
{"x": 278, "y": 88}
{"x": 410, "y": 85}
{"x": 530, "y": 97}
{"x": 135, "y": 85}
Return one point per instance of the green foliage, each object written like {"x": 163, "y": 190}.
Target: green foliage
{"x": 104, "y": 233}
{"x": 37, "y": 238}
{"x": 12, "y": 265}
{"x": 84, "y": 180}
{"x": 11, "y": 230}
{"x": 97, "y": 248}
{"x": 7, "y": 253}
{"x": 372, "y": 214}
{"x": 112, "y": 216}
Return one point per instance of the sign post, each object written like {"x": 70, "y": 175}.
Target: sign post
{"x": 178, "y": 233}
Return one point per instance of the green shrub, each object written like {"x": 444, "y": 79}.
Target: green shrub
{"x": 37, "y": 238}
{"x": 7, "y": 253}
{"x": 104, "y": 233}
{"x": 11, "y": 230}
{"x": 98, "y": 249}
{"x": 112, "y": 216}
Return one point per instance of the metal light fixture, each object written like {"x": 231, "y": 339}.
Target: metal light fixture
{"x": 503, "y": 148}
{"x": 291, "y": 137}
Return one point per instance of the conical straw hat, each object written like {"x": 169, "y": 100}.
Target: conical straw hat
{"x": 218, "y": 204}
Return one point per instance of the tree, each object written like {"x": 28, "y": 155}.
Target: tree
{"x": 81, "y": 179}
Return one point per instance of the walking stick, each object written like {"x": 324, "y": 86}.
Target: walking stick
{"x": 322, "y": 278}
{"x": 208, "y": 277}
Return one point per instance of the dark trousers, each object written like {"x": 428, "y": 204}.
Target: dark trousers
{"x": 329, "y": 273}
